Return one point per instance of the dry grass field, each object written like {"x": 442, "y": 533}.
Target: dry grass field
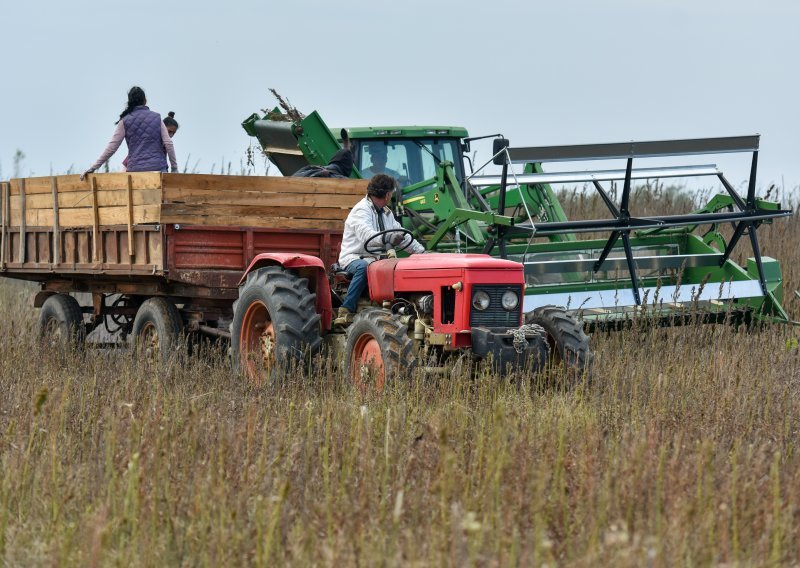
{"x": 685, "y": 450}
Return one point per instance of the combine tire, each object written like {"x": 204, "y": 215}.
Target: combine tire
{"x": 569, "y": 345}
{"x": 378, "y": 349}
{"x": 61, "y": 321}
{"x": 275, "y": 323}
{"x": 157, "y": 329}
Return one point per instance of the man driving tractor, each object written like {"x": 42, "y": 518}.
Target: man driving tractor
{"x": 370, "y": 220}
{"x": 378, "y": 154}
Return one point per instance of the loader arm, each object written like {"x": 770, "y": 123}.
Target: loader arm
{"x": 293, "y": 145}
{"x": 443, "y": 208}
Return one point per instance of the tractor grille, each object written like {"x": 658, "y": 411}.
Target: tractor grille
{"x": 495, "y": 315}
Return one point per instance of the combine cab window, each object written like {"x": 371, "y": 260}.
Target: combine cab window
{"x": 409, "y": 160}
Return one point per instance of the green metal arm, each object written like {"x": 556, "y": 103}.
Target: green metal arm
{"x": 459, "y": 217}
{"x": 441, "y": 202}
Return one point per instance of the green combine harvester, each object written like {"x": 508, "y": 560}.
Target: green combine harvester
{"x": 658, "y": 265}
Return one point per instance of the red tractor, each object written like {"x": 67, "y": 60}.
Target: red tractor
{"x": 432, "y": 304}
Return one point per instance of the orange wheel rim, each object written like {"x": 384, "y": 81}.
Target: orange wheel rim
{"x": 257, "y": 343}
{"x": 366, "y": 364}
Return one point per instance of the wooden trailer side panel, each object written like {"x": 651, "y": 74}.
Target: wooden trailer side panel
{"x": 76, "y": 250}
{"x": 105, "y": 223}
{"x": 265, "y": 202}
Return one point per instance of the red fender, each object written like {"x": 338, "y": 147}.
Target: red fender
{"x": 307, "y": 266}
{"x": 380, "y": 277}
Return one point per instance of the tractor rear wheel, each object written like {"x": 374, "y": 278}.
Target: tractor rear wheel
{"x": 377, "y": 350}
{"x": 275, "y": 323}
{"x": 569, "y": 344}
{"x": 61, "y": 321}
{"x": 157, "y": 329}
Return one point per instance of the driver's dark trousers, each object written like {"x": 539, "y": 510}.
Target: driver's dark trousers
{"x": 358, "y": 268}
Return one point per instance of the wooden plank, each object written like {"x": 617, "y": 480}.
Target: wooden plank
{"x": 267, "y": 184}
{"x": 140, "y": 180}
{"x": 259, "y": 222}
{"x": 95, "y": 221}
{"x": 131, "y": 252}
{"x": 78, "y": 218}
{"x": 56, "y": 229}
{"x": 71, "y": 183}
{"x": 105, "y": 198}
{"x": 211, "y": 211}
{"x": 22, "y": 222}
{"x": 191, "y": 195}
{"x": 13, "y": 211}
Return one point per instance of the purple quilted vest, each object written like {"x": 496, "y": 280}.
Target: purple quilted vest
{"x": 143, "y": 135}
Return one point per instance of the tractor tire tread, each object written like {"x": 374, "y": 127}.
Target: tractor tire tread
{"x": 397, "y": 347}
{"x": 290, "y": 302}
{"x": 566, "y": 333}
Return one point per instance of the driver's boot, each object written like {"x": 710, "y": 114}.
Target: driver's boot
{"x": 344, "y": 317}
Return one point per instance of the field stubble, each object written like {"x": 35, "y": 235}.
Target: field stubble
{"x": 684, "y": 450}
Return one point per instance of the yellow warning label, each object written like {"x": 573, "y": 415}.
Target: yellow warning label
{"x": 420, "y": 198}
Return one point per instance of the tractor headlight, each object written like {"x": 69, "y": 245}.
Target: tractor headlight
{"x": 480, "y": 300}
{"x": 510, "y": 300}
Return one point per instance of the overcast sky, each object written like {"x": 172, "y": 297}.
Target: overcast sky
{"x": 541, "y": 73}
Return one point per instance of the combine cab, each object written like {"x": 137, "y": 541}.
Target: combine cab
{"x": 668, "y": 266}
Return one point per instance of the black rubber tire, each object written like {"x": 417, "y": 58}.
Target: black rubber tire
{"x": 157, "y": 329}
{"x": 569, "y": 344}
{"x": 397, "y": 348}
{"x": 61, "y": 321}
{"x": 291, "y": 308}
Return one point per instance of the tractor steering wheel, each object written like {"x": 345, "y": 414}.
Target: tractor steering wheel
{"x": 404, "y": 243}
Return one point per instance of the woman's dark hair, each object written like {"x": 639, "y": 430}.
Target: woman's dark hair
{"x": 135, "y": 98}
{"x": 170, "y": 120}
{"x": 380, "y": 185}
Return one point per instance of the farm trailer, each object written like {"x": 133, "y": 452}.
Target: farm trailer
{"x": 247, "y": 258}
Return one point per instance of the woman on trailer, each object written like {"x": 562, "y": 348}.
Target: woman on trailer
{"x": 147, "y": 137}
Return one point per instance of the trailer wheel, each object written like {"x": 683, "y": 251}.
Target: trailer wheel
{"x": 275, "y": 323}
{"x": 377, "y": 349}
{"x": 569, "y": 344}
{"x": 157, "y": 329}
{"x": 61, "y": 320}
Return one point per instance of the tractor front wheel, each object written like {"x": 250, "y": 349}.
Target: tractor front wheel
{"x": 377, "y": 350}
{"x": 275, "y": 323}
{"x": 569, "y": 344}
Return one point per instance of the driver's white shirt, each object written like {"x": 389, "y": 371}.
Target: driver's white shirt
{"x": 360, "y": 225}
